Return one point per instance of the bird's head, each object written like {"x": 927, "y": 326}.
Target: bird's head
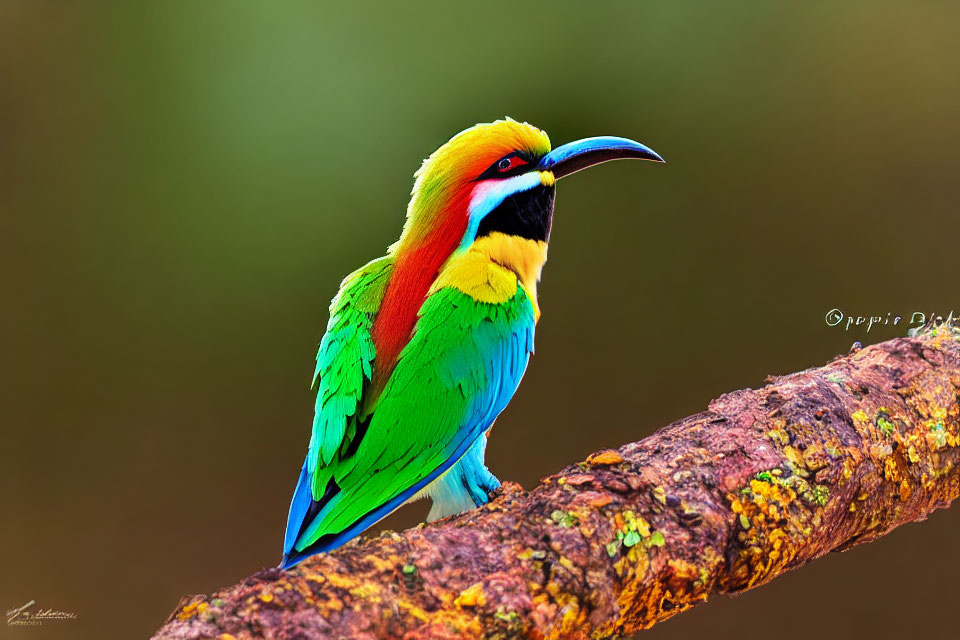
{"x": 500, "y": 176}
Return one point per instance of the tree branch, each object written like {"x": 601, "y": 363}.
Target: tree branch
{"x": 719, "y": 502}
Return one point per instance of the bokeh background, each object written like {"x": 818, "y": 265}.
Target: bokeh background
{"x": 183, "y": 185}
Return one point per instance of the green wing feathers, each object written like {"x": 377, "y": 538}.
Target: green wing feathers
{"x": 461, "y": 367}
{"x": 344, "y": 364}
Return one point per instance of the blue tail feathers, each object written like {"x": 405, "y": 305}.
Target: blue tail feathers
{"x": 303, "y": 508}
{"x": 299, "y": 505}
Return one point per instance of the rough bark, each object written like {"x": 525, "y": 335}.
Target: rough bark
{"x": 719, "y": 502}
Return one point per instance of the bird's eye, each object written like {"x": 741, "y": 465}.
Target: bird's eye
{"x": 508, "y": 164}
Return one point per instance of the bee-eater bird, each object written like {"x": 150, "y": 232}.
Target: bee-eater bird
{"x": 426, "y": 345}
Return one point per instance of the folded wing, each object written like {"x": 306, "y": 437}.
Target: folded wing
{"x": 457, "y": 373}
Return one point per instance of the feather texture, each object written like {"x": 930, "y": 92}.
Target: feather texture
{"x": 424, "y": 348}
{"x": 344, "y": 364}
{"x": 458, "y": 372}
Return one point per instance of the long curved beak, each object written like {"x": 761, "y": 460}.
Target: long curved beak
{"x": 574, "y": 156}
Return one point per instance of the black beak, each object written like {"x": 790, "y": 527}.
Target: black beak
{"x": 574, "y": 156}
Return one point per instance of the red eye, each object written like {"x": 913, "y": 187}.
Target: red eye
{"x": 506, "y": 164}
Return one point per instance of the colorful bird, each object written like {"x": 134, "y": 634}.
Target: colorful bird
{"x": 426, "y": 345}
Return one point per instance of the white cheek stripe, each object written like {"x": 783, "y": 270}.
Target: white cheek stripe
{"x": 489, "y": 194}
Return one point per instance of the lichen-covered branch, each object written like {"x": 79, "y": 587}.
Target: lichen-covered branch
{"x": 726, "y": 500}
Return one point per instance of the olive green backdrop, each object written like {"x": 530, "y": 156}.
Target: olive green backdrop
{"x": 183, "y": 185}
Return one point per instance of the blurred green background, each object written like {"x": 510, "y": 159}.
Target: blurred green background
{"x": 183, "y": 185}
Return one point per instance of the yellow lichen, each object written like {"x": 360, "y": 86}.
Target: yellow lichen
{"x": 334, "y": 604}
{"x": 778, "y": 434}
{"x": 472, "y": 596}
{"x": 607, "y": 457}
{"x": 796, "y": 459}
{"x": 773, "y": 524}
{"x": 413, "y": 610}
{"x": 890, "y": 470}
{"x": 367, "y": 590}
{"x": 188, "y": 611}
{"x": 570, "y": 607}
{"x": 861, "y": 419}
{"x": 814, "y": 458}
{"x": 381, "y": 564}
{"x": 341, "y": 581}
{"x": 913, "y": 455}
{"x": 905, "y": 490}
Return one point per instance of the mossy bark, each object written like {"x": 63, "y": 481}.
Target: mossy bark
{"x": 719, "y": 502}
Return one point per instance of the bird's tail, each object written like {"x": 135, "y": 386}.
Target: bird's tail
{"x": 307, "y": 513}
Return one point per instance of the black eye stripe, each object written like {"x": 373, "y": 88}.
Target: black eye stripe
{"x": 493, "y": 171}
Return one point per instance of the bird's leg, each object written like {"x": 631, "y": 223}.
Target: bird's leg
{"x": 466, "y": 485}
